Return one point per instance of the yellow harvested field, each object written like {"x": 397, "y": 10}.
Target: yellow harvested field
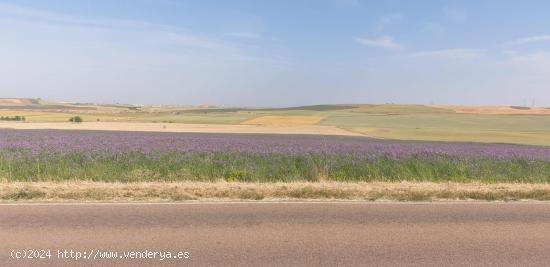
{"x": 498, "y": 110}
{"x": 284, "y": 120}
{"x": 181, "y": 128}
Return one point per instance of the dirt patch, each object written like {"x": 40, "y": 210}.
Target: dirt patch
{"x": 499, "y": 110}
{"x": 284, "y": 120}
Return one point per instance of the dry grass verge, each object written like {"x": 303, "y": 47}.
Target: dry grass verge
{"x": 404, "y": 191}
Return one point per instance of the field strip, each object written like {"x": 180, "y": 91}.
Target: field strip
{"x": 495, "y": 110}
{"x": 284, "y": 120}
{"x": 201, "y": 192}
{"x": 181, "y": 128}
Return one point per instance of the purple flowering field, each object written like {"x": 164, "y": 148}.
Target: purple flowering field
{"x": 56, "y": 155}
{"x": 56, "y": 141}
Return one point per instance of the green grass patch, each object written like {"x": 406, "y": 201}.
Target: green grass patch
{"x": 242, "y": 167}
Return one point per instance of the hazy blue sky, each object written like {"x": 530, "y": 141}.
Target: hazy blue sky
{"x": 276, "y": 53}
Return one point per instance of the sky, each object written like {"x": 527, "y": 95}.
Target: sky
{"x": 277, "y": 53}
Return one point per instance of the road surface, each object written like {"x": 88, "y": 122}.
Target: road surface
{"x": 279, "y": 234}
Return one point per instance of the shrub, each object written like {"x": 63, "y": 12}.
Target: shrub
{"x": 76, "y": 119}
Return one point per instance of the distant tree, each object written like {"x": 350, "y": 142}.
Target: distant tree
{"x": 76, "y": 119}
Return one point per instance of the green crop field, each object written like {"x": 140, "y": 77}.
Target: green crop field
{"x": 520, "y": 129}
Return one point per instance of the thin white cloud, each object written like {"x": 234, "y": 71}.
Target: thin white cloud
{"x": 509, "y": 52}
{"x": 387, "y": 20}
{"x": 26, "y": 13}
{"x": 170, "y": 34}
{"x": 455, "y": 14}
{"x": 195, "y": 41}
{"x": 537, "y": 61}
{"x": 457, "y": 53}
{"x": 245, "y": 35}
{"x": 433, "y": 28}
{"x": 385, "y": 42}
{"x": 199, "y": 45}
{"x": 530, "y": 39}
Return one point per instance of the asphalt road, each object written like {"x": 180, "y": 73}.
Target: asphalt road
{"x": 281, "y": 234}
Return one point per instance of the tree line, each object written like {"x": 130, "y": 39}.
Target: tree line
{"x": 14, "y": 118}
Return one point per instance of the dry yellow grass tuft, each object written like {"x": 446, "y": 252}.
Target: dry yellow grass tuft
{"x": 284, "y": 120}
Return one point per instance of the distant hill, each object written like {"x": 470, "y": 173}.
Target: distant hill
{"x": 387, "y": 109}
{"x": 18, "y": 101}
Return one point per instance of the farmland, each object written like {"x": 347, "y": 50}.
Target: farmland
{"x": 363, "y": 152}
{"x": 515, "y": 125}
